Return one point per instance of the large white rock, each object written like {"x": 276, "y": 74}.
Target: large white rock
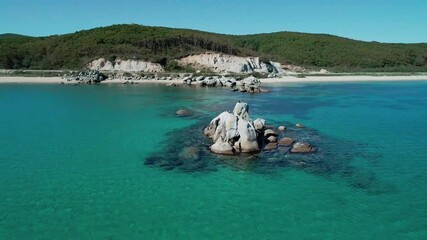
{"x": 241, "y": 110}
{"x": 125, "y": 65}
{"x": 259, "y": 124}
{"x": 248, "y": 137}
{"x": 221, "y": 147}
{"x": 232, "y": 132}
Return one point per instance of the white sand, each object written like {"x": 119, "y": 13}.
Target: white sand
{"x": 354, "y": 78}
{"x": 58, "y": 80}
{"x": 30, "y": 80}
{"x": 176, "y": 81}
{"x": 286, "y": 79}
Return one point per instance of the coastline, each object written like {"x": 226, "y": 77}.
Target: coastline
{"x": 285, "y": 79}
{"x": 348, "y": 78}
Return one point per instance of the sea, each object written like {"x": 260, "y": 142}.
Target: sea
{"x": 110, "y": 162}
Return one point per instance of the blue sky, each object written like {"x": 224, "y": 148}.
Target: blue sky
{"x": 369, "y": 20}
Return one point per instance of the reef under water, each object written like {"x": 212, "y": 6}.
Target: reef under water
{"x": 187, "y": 150}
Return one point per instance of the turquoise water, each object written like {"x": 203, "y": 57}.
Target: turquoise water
{"x": 73, "y": 164}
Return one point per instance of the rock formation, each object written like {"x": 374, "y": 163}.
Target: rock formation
{"x": 235, "y": 133}
{"x": 88, "y": 77}
{"x": 281, "y": 128}
{"x": 302, "y": 148}
{"x": 250, "y": 84}
{"x": 221, "y": 63}
{"x": 286, "y": 142}
{"x": 125, "y": 66}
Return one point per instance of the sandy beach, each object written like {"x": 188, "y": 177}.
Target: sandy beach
{"x": 30, "y": 80}
{"x": 285, "y": 79}
{"x": 58, "y": 80}
{"x": 349, "y": 78}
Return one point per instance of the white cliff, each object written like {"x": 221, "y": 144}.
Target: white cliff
{"x": 125, "y": 66}
{"x": 228, "y": 63}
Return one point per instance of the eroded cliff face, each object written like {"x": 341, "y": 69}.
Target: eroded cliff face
{"x": 125, "y": 65}
{"x": 228, "y": 63}
{"x": 216, "y": 62}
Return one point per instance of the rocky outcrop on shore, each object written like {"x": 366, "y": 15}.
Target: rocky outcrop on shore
{"x": 222, "y": 63}
{"x": 235, "y": 133}
{"x": 249, "y": 84}
{"x": 125, "y": 65}
{"x": 89, "y": 77}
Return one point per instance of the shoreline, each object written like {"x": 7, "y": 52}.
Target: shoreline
{"x": 266, "y": 81}
{"x": 348, "y": 78}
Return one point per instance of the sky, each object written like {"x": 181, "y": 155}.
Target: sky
{"x": 369, "y": 20}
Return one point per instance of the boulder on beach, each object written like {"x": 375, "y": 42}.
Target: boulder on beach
{"x": 281, "y": 128}
{"x": 299, "y": 125}
{"x": 250, "y": 81}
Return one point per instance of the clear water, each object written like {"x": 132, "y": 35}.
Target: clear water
{"x": 72, "y": 165}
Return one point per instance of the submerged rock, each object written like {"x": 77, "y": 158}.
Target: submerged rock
{"x": 270, "y": 146}
{"x": 183, "y": 112}
{"x": 302, "y": 148}
{"x": 193, "y": 152}
{"x": 189, "y": 153}
{"x": 286, "y": 142}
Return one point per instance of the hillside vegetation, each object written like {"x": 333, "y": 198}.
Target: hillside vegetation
{"x": 162, "y": 45}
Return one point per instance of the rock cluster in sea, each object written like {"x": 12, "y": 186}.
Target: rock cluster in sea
{"x": 235, "y": 133}
{"x": 88, "y": 76}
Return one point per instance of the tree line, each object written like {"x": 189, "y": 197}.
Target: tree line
{"x": 162, "y": 45}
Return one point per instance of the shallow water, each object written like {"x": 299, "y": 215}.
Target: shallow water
{"x": 73, "y": 164}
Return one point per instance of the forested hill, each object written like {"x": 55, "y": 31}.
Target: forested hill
{"x": 162, "y": 45}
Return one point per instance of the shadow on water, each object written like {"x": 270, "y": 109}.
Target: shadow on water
{"x": 187, "y": 150}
